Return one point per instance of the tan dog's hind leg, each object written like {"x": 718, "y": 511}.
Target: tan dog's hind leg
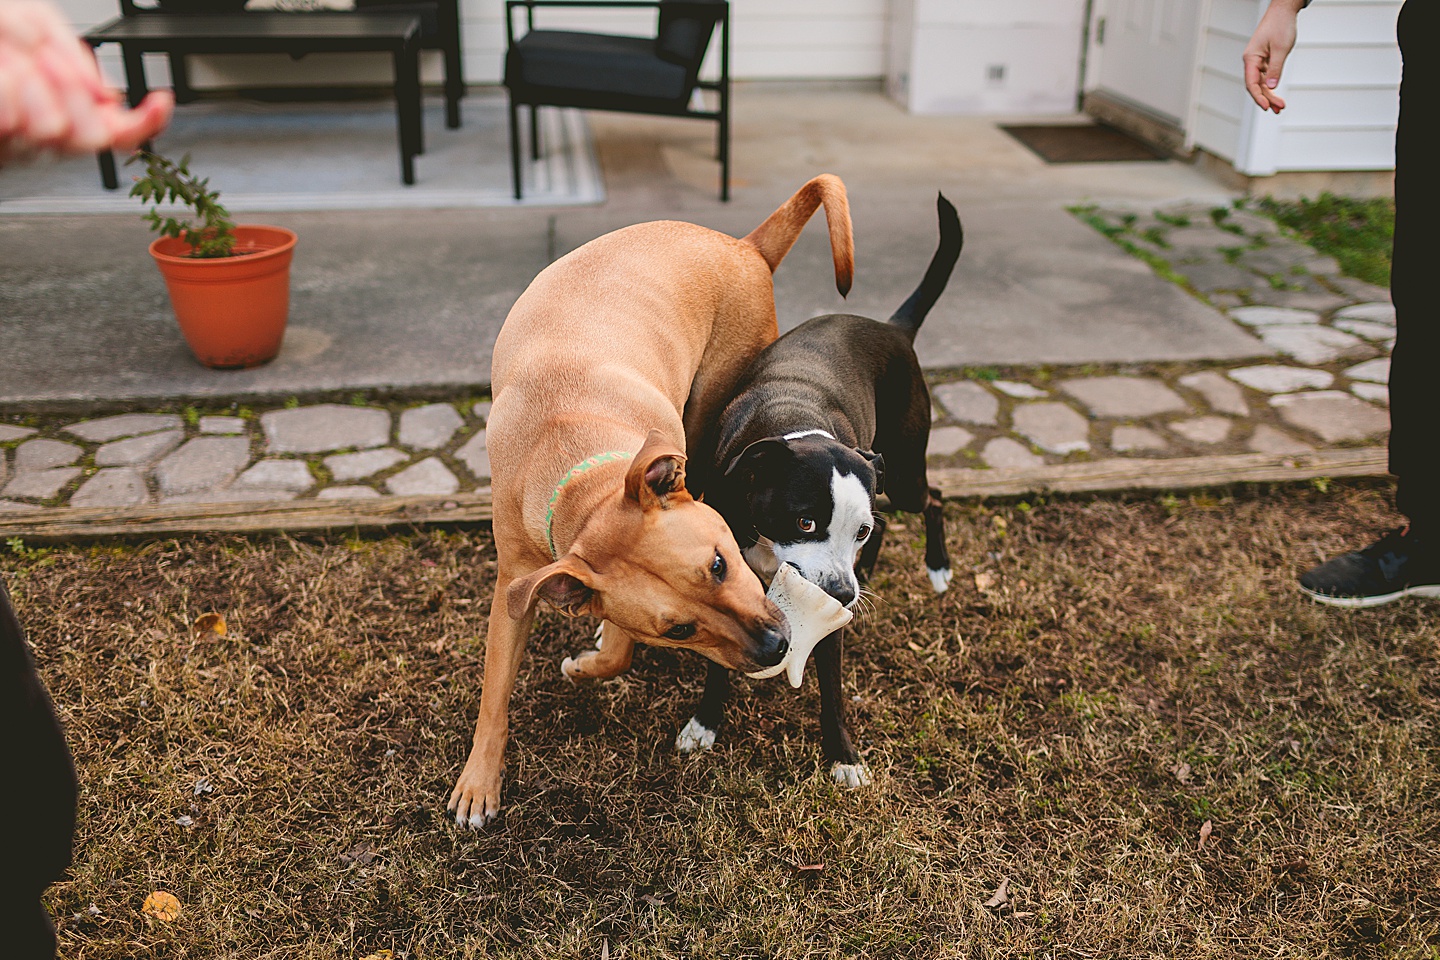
{"x": 475, "y": 801}
{"x": 610, "y": 658}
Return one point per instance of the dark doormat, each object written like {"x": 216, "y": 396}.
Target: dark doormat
{"x": 1082, "y": 143}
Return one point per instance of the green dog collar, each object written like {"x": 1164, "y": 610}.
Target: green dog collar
{"x": 575, "y": 471}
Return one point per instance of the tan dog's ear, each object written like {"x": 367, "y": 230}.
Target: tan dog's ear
{"x": 564, "y": 584}
{"x": 657, "y": 476}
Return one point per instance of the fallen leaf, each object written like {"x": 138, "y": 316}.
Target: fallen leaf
{"x": 209, "y": 623}
{"x": 1002, "y": 895}
{"x": 984, "y": 581}
{"x": 1206, "y": 829}
{"x": 1022, "y": 914}
{"x": 362, "y": 853}
{"x": 185, "y": 820}
{"x": 1181, "y": 771}
{"x": 605, "y": 949}
{"x": 162, "y": 906}
{"x": 653, "y": 900}
{"x": 809, "y": 867}
{"x": 438, "y": 646}
{"x": 202, "y": 786}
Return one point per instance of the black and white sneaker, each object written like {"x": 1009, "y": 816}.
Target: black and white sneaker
{"x": 1397, "y": 565}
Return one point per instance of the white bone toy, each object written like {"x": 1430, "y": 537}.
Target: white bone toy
{"x": 813, "y": 615}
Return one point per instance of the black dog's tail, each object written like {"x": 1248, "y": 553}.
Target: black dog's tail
{"x": 912, "y": 312}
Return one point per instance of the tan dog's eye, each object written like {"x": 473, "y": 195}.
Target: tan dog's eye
{"x": 717, "y": 568}
{"x": 806, "y": 525}
{"x": 681, "y": 631}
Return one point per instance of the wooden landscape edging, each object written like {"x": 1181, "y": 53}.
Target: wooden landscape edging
{"x": 1100, "y": 476}
{"x": 1178, "y": 474}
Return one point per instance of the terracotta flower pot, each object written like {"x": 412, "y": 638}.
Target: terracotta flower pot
{"x": 232, "y": 310}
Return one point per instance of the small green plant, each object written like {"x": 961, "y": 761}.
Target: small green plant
{"x": 1357, "y": 232}
{"x": 1156, "y": 236}
{"x": 209, "y": 230}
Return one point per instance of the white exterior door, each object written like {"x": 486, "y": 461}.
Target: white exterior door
{"x": 1143, "y": 51}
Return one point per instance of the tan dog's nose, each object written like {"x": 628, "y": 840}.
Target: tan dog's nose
{"x": 772, "y": 644}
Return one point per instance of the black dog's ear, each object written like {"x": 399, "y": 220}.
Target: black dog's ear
{"x": 878, "y": 462}
{"x": 758, "y": 457}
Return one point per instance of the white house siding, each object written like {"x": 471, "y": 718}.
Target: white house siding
{"x": 770, "y": 39}
{"x": 1340, "y": 85}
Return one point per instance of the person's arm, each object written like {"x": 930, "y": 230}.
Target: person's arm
{"x": 52, "y": 97}
{"x": 1265, "y": 54}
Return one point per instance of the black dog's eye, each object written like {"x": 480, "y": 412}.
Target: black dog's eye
{"x": 806, "y": 525}
{"x": 863, "y": 533}
{"x": 717, "y": 568}
{"x": 681, "y": 631}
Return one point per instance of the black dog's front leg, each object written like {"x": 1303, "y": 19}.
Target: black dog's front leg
{"x": 937, "y": 555}
{"x": 699, "y": 733}
{"x": 845, "y": 765}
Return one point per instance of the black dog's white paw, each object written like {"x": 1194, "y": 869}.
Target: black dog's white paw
{"x": 695, "y": 736}
{"x": 850, "y": 775}
{"x": 940, "y": 579}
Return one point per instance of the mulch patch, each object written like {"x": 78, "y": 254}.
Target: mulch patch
{"x": 1122, "y": 711}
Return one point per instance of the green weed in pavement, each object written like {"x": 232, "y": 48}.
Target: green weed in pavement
{"x": 1356, "y": 232}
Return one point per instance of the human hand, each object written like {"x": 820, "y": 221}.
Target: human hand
{"x": 1265, "y": 54}
{"x": 52, "y": 97}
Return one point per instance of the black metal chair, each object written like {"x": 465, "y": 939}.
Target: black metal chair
{"x": 597, "y": 71}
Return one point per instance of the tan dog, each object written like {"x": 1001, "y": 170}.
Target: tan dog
{"x": 614, "y": 355}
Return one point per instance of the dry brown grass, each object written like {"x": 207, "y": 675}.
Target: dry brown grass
{"x": 1135, "y": 668}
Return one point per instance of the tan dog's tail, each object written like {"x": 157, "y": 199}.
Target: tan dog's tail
{"x": 778, "y": 233}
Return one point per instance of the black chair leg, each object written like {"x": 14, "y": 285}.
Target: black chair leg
{"x": 108, "y": 175}
{"x": 454, "y": 86}
{"x": 107, "y": 162}
{"x": 407, "y": 109}
{"x": 724, "y": 151}
{"x": 180, "y": 79}
{"x": 534, "y": 132}
{"x": 515, "y": 146}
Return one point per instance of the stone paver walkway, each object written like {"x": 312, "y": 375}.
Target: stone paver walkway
{"x": 1318, "y": 381}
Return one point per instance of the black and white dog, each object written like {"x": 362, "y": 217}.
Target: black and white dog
{"x": 828, "y": 416}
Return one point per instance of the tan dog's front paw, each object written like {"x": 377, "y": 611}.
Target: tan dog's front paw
{"x": 475, "y": 801}
{"x": 571, "y": 668}
{"x": 603, "y": 662}
{"x": 593, "y": 665}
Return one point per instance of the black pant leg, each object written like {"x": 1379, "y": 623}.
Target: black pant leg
{"x": 1415, "y": 365}
{"x": 38, "y": 804}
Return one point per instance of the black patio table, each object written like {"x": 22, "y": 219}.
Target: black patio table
{"x": 274, "y": 32}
